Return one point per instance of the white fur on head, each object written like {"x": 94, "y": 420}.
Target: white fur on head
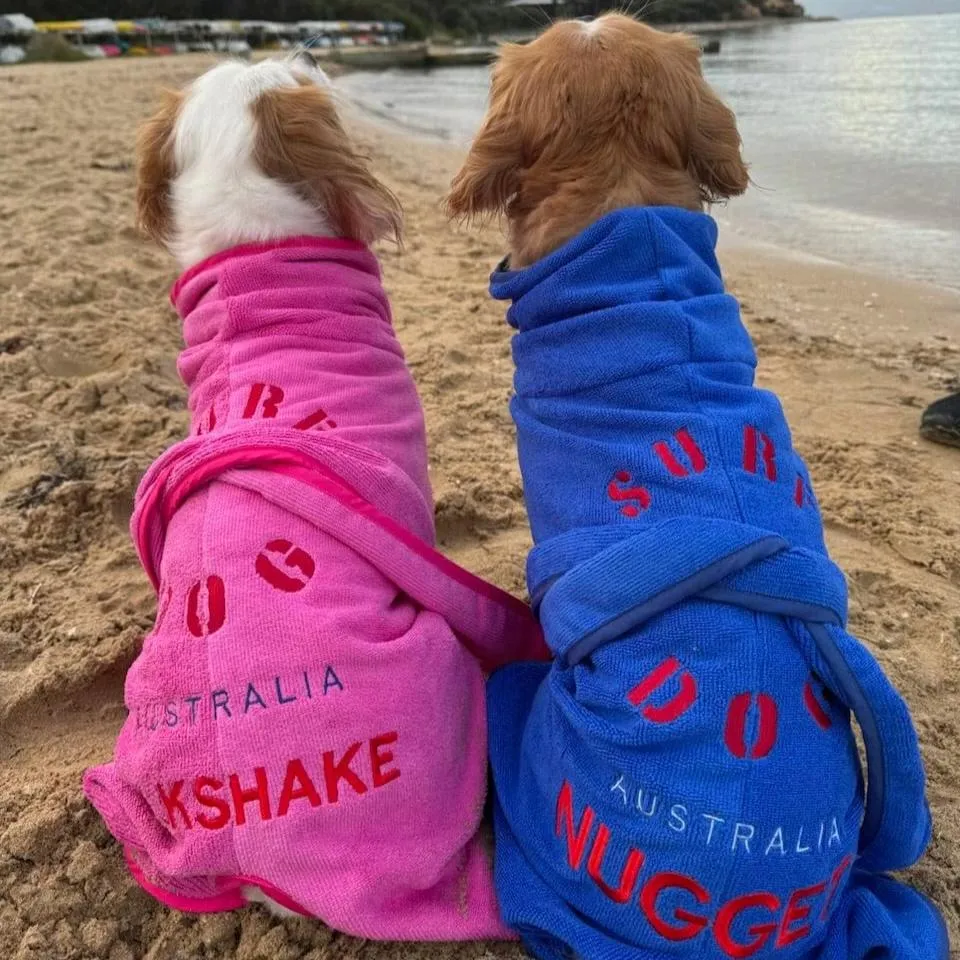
{"x": 210, "y": 177}
{"x": 220, "y": 197}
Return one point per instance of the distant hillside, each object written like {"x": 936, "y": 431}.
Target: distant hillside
{"x": 422, "y": 17}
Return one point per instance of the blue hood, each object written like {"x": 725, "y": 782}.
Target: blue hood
{"x": 632, "y": 359}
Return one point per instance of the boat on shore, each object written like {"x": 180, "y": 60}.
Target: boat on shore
{"x": 426, "y": 56}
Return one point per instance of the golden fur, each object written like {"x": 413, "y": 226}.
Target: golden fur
{"x": 155, "y": 168}
{"x": 301, "y": 142}
{"x": 594, "y": 117}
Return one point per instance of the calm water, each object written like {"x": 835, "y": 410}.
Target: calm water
{"x": 845, "y": 9}
{"x": 852, "y": 130}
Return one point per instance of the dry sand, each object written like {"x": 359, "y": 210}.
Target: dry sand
{"x": 89, "y": 396}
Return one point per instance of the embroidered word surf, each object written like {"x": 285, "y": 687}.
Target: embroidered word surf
{"x": 214, "y": 803}
{"x": 741, "y": 927}
{"x": 252, "y": 697}
{"x": 729, "y": 833}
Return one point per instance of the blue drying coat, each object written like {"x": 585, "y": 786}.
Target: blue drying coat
{"x": 683, "y": 780}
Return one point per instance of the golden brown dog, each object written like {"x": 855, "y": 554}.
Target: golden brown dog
{"x": 594, "y": 117}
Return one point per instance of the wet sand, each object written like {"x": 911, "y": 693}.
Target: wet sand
{"x": 90, "y": 397}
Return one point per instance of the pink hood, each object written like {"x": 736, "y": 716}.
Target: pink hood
{"x": 307, "y": 715}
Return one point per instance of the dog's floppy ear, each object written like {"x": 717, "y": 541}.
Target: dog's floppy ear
{"x": 155, "y": 168}
{"x": 490, "y": 175}
{"x": 300, "y": 141}
{"x": 714, "y": 147}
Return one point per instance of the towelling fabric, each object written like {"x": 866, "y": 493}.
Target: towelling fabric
{"x": 308, "y": 714}
{"x": 683, "y": 781}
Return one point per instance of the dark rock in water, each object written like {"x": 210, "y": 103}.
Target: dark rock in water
{"x": 710, "y": 46}
{"x": 780, "y": 8}
{"x": 756, "y": 9}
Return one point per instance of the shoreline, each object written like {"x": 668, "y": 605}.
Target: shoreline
{"x": 429, "y": 54}
{"x": 733, "y": 26}
{"x": 895, "y": 307}
{"x": 739, "y": 244}
{"x": 88, "y": 348}
{"x": 734, "y": 233}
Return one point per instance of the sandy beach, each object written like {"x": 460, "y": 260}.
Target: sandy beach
{"x": 89, "y": 396}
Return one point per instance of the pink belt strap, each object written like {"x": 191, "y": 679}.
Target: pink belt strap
{"x": 288, "y": 468}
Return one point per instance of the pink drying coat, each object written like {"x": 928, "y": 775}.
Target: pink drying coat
{"x": 308, "y": 714}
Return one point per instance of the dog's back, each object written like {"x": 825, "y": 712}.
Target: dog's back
{"x": 684, "y": 780}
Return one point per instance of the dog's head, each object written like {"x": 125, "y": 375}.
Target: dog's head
{"x": 255, "y": 153}
{"x": 591, "y": 117}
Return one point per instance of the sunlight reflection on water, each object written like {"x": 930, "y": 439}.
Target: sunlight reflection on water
{"x": 852, "y": 130}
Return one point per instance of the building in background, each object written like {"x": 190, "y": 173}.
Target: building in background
{"x": 101, "y": 37}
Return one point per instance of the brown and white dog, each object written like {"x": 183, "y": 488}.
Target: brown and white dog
{"x": 250, "y": 154}
{"x": 593, "y": 117}
{"x": 274, "y": 749}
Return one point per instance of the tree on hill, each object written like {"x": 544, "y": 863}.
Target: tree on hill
{"x": 421, "y": 17}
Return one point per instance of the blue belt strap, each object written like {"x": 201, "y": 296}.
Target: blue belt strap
{"x": 594, "y": 586}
